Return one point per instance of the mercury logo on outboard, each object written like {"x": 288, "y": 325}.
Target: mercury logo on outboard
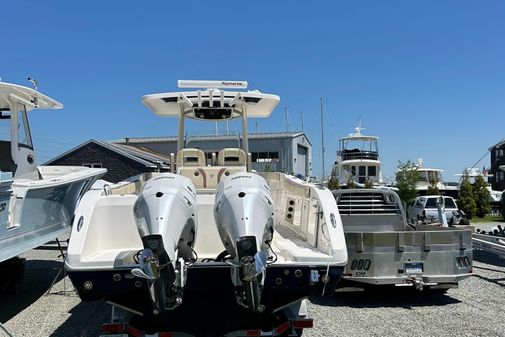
{"x": 238, "y": 177}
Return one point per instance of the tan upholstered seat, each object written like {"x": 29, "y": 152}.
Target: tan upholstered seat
{"x": 231, "y": 157}
{"x": 190, "y": 157}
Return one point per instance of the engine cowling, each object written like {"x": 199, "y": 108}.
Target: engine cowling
{"x": 244, "y": 215}
{"x": 165, "y": 213}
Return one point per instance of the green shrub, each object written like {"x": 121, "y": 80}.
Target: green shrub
{"x": 481, "y": 197}
{"x": 466, "y": 200}
{"x": 407, "y": 177}
{"x": 333, "y": 183}
{"x": 350, "y": 182}
{"x": 368, "y": 184}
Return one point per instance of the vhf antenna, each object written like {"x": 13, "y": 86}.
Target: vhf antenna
{"x": 34, "y": 82}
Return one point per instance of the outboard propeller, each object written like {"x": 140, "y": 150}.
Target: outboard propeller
{"x": 149, "y": 266}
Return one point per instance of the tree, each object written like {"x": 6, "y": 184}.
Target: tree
{"x": 466, "y": 201}
{"x": 407, "y": 177}
{"x": 432, "y": 188}
{"x": 333, "y": 182}
{"x": 368, "y": 183}
{"x": 350, "y": 181}
{"x": 481, "y": 197}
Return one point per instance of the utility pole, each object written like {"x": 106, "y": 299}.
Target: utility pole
{"x": 322, "y": 138}
{"x": 301, "y": 116}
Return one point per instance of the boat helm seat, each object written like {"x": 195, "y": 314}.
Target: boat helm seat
{"x": 190, "y": 157}
{"x": 231, "y": 157}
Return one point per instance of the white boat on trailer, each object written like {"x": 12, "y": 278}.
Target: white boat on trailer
{"x": 36, "y": 202}
{"x": 164, "y": 248}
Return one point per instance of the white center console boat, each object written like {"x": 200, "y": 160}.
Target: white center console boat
{"x": 165, "y": 247}
{"x": 36, "y": 202}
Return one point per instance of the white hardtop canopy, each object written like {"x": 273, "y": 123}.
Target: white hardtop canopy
{"x": 213, "y": 103}
{"x": 30, "y": 97}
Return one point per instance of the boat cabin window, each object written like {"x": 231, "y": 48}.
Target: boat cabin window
{"x": 24, "y": 138}
{"x": 429, "y": 176}
{"x": 372, "y": 171}
{"x": 5, "y": 141}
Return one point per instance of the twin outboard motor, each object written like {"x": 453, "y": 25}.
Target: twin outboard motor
{"x": 244, "y": 215}
{"x": 165, "y": 213}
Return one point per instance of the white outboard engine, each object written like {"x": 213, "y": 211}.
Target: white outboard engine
{"x": 244, "y": 215}
{"x": 165, "y": 213}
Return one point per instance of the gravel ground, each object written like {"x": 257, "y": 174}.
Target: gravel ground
{"x": 476, "y": 308}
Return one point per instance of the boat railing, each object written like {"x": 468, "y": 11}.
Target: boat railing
{"x": 357, "y": 154}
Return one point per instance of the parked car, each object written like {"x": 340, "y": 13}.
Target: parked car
{"x": 424, "y": 209}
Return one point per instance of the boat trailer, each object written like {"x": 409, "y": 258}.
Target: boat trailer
{"x": 492, "y": 242}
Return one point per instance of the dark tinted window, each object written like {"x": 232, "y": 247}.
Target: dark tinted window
{"x": 449, "y": 203}
{"x": 431, "y": 203}
{"x": 362, "y": 170}
{"x": 372, "y": 171}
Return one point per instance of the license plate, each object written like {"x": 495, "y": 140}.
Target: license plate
{"x": 413, "y": 268}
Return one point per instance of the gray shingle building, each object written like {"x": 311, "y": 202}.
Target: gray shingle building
{"x": 121, "y": 161}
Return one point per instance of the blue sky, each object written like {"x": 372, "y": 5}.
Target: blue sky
{"x": 427, "y": 77}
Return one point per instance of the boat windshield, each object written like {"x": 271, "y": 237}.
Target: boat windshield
{"x": 428, "y": 176}
{"x": 359, "y": 148}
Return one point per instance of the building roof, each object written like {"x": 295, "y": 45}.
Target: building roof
{"x": 265, "y": 135}
{"x": 139, "y": 154}
{"x": 499, "y": 144}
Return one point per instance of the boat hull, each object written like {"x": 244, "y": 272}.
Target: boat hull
{"x": 39, "y": 215}
{"x": 283, "y": 285}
